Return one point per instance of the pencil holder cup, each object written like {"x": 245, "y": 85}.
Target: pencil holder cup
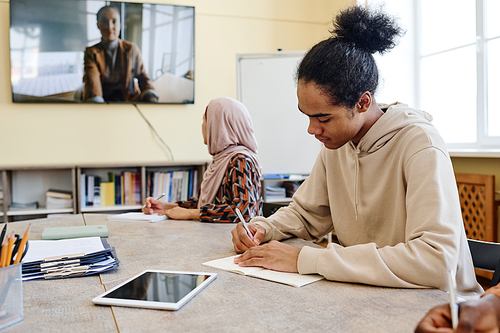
{"x": 11, "y": 298}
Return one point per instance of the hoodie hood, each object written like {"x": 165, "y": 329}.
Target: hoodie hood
{"x": 397, "y": 116}
{"x": 391, "y": 122}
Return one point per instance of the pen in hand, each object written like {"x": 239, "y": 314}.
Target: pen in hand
{"x": 452, "y": 290}
{"x": 157, "y": 198}
{"x": 243, "y": 222}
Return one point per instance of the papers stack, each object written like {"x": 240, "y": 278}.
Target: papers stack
{"x": 273, "y": 191}
{"x": 67, "y": 258}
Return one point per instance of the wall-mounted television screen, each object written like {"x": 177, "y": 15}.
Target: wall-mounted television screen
{"x": 87, "y": 51}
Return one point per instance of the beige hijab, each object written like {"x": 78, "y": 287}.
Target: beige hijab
{"x": 229, "y": 132}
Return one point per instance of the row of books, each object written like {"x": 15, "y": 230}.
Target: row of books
{"x": 177, "y": 185}
{"x": 125, "y": 188}
{"x": 117, "y": 189}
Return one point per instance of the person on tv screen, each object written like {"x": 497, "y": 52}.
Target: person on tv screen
{"x": 383, "y": 181}
{"x": 113, "y": 68}
{"x": 232, "y": 180}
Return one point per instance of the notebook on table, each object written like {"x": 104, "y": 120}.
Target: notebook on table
{"x": 75, "y": 232}
{"x": 292, "y": 279}
{"x": 137, "y": 217}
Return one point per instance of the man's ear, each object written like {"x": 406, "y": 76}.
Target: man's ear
{"x": 364, "y": 102}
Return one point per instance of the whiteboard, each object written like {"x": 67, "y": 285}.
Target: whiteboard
{"x": 267, "y": 87}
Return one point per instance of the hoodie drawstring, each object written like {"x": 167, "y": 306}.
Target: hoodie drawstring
{"x": 356, "y": 182}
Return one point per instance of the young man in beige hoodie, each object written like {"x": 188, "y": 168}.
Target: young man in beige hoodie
{"x": 383, "y": 180}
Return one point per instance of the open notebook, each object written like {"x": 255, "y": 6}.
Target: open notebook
{"x": 292, "y": 279}
{"x": 137, "y": 217}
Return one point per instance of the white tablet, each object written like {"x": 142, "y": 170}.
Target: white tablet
{"x": 154, "y": 289}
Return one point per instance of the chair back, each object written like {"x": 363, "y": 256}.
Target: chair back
{"x": 486, "y": 256}
{"x": 477, "y": 201}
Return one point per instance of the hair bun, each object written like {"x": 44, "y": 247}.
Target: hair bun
{"x": 371, "y": 31}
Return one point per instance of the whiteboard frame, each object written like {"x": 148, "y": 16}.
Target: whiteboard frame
{"x": 301, "y": 158}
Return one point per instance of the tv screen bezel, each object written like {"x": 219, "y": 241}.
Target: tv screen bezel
{"x": 55, "y": 100}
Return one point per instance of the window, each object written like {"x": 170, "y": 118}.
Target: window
{"x": 447, "y": 61}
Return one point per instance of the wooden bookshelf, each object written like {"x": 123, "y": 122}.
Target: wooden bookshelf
{"x": 26, "y": 184}
{"x": 143, "y": 169}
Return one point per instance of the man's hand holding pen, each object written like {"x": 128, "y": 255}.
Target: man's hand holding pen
{"x": 274, "y": 255}
{"x": 241, "y": 239}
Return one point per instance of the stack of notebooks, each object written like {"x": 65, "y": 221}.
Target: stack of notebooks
{"x": 47, "y": 259}
{"x": 56, "y": 199}
{"x": 272, "y": 191}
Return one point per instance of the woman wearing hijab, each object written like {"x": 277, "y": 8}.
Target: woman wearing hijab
{"x": 232, "y": 179}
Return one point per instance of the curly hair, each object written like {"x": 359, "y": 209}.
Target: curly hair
{"x": 342, "y": 66}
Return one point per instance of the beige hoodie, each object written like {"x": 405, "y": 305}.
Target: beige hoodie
{"x": 393, "y": 203}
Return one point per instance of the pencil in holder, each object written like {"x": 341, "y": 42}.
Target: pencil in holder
{"x": 11, "y": 297}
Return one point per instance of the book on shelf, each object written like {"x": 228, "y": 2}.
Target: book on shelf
{"x": 166, "y": 185}
{"x": 195, "y": 183}
{"x": 137, "y": 188}
{"x": 118, "y": 180}
{"x": 90, "y": 190}
{"x": 97, "y": 191}
{"x": 107, "y": 193}
{"x": 83, "y": 191}
{"x": 292, "y": 279}
{"x": 54, "y": 193}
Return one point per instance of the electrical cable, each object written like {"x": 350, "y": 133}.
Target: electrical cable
{"x": 154, "y": 131}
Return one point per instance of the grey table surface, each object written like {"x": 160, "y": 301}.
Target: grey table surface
{"x": 232, "y": 302}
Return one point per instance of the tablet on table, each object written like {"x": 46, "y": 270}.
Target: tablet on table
{"x": 156, "y": 289}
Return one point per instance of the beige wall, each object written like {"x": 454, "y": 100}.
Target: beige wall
{"x": 52, "y": 134}
{"x": 483, "y": 166}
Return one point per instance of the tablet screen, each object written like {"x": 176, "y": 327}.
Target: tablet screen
{"x": 158, "y": 287}
{"x": 167, "y": 290}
